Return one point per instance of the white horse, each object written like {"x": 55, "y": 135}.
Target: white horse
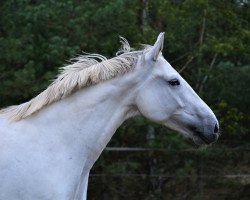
{"x": 49, "y": 144}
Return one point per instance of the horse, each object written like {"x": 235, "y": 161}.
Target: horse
{"x": 49, "y": 144}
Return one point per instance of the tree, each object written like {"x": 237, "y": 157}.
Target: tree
{"x": 208, "y": 41}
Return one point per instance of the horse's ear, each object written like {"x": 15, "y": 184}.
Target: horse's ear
{"x": 157, "y": 48}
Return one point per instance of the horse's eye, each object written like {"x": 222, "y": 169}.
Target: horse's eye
{"x": 174, "y": 82}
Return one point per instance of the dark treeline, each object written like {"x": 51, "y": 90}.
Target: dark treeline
{"x": 207, "y": 41}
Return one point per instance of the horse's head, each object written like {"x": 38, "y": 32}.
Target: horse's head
{"x": 166, "y": 97}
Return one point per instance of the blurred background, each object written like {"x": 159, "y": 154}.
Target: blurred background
{"x": 207, "y": 41}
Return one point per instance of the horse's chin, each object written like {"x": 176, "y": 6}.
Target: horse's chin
{"x": 199, "y": 141}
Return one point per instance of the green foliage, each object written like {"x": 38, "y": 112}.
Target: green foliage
{"x": 37, "y": 37}
{"x": 230, "y": 118}
{"x": 208, "y": 40}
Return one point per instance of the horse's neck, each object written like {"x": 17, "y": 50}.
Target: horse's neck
{"x": 91, "y": 116}
{"x": 69, "y": 135}
{"x": 77, "y": 128}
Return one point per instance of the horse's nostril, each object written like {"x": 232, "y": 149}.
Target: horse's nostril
{"x": 216, "y": 128}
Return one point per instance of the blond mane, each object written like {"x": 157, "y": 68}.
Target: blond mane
{"x": 86, "y": 70}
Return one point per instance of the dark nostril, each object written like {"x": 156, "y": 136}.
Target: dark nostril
{"x": 216, "y": 128}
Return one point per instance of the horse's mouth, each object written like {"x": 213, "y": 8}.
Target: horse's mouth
{"x": 200, "y": 138}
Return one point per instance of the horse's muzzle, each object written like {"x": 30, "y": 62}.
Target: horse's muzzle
{"x": 207, "y": 136}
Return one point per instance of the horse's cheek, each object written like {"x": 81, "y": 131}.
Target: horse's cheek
{"x": 153, "y": 107}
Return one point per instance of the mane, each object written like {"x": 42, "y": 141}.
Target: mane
{"x": 83, "y": 71}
